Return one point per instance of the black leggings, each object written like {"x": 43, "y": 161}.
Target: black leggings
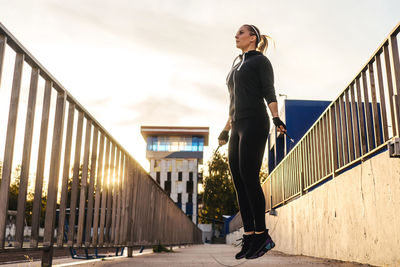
{"x": 246, "y": 151}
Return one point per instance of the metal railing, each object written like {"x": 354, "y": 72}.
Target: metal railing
{"x": 113, "y": 202}
{"x": 355, "y": 126}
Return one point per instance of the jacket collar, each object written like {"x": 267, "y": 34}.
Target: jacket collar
{"x": 249, "y": 53}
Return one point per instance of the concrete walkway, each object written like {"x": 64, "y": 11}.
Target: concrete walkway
{"x": 213, "y": 256}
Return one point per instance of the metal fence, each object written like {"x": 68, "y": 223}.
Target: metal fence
{"x": 113, "y": 202}
{"x": 356, "y": 125}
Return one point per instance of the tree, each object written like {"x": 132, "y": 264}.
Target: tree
{"x": 264, "y": 171}
{"x": 219, "y": 194}
{"x": 14, "y": 189}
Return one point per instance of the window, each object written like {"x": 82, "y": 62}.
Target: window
{"x": 175, "y": 143}
{"x": 163, "y": 144}
{"x": 188, "y": 144}
{"x": 152, "y": 143}
{"x": 167, "y": 186}
{"x": 189, "y": 187}
{"x": 179, "y": 197}
{"x": 189, "y": 209}
{"x": 179, "y": 176}
{"x": 201, "y": 144}
{"x": 169, "y": 176}
{"x": 190, "y": 198}
{"x": 158, "y": 177}
{"x": 197, "y": 143}
{"x": 190, "y": 176}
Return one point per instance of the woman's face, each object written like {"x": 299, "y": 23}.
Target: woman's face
{"x": 243, "y": 38}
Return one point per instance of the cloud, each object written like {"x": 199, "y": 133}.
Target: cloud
{"x": 150, "y": 27}
{"x": 214, "y": 94}
{"x": 159, "y": 111}
{"x": 99, "y": 102}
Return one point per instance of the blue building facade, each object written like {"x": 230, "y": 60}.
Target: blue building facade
{"x": 299, "y": 116}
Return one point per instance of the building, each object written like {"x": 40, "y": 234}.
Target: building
{"x": 175, "y": 154}
{"x": 299, "y": 116}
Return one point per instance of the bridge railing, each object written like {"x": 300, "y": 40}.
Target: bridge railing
{"x": 356, "y": 125}
{"x": 78, "y": 165}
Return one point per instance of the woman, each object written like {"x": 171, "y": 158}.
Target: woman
{"x": 250, "y": 81}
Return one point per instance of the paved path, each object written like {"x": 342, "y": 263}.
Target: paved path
{"x": 214, "y": 256}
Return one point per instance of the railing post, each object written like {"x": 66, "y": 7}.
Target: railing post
{"x": 89, "y": 218}
{"x": 3, "y": 41}
{"x": 98, "y": 192}
{"x": 270, "y": 190}
{"x": 84, "y": 184}
{"x": 41, "y": 156}
{"x": 390, "y": 87}
{"x": 26, "y": 158}
{"x": 75, "y": 181}
{"x": 282, "y": 175}
{"x": 396, "y": 72}
{"x": 65, "y": 175}
{"x": 333, "y": 142}
{"x": 130, "y": 252}
{"x": 9, "y": 147}
{"x": 396, "y": 101}
{"x": 53, "y": 180}
{"x": 110, "y": 196}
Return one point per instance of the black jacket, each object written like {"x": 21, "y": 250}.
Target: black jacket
{"x": 249, "y": 82}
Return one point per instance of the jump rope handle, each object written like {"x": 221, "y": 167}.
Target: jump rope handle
{"x": 277, "y": 121}
{"x": 291, "y": 139}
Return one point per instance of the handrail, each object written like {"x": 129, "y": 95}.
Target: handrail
{"x": 113, "y": 201}
{"x": 354, "y": 126}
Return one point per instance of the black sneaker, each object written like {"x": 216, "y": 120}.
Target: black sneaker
{"x": 261, "y": 244}
{"x": 246, "y": 242}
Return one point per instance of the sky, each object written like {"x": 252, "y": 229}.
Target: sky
{"x": 133, "y": 63}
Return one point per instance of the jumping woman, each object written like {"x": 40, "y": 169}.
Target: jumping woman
{"x": 250, "y": 81}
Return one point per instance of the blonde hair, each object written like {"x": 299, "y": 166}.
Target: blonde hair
{"x": 261, "y": 41}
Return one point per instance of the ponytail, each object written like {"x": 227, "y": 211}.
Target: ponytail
{"x": 262, "y": 45}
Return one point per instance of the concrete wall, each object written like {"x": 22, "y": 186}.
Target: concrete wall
{"x": 206, "y": 230}
{"x": 354, "y": 217}
{"x": 231, "y": 238}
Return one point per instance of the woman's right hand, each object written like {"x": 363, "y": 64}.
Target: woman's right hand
{"x": 221, "y": 142}
{"x": 223, "y": 137}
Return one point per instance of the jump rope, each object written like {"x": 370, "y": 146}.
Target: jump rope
{"x": 240, "y": 263}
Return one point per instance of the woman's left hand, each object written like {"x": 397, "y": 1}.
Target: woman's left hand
{"x": 280, "y": 126}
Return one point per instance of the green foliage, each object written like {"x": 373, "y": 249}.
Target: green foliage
{"x": 264, "y": 171}
{"x": 14, "y": 190}
{"x": 219, "y": 193}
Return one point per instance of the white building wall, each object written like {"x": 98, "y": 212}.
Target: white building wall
{"x": 175, "y": 166}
